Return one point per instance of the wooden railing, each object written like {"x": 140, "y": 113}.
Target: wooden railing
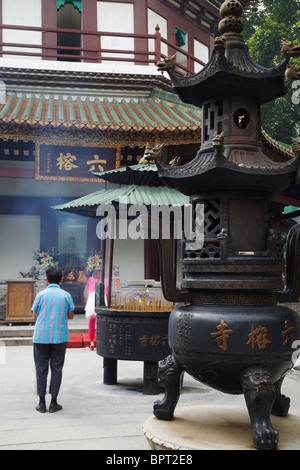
{"x": 92, "y": 50}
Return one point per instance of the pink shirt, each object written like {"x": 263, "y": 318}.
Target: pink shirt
{"x": 91, "y": 284}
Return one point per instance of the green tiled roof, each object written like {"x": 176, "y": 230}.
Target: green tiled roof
{"x": 87, "y": 205}
{"x": 159, "y": 112}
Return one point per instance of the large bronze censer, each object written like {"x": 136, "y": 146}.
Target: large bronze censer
{"x": 234, "y": 332}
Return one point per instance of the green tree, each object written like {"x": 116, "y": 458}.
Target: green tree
{"x": 266, "y": 25}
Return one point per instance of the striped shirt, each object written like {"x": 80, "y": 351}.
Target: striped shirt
{"x": 52, "y": 306}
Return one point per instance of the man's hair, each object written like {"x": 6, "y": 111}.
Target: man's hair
{"x": 54, "y": 274}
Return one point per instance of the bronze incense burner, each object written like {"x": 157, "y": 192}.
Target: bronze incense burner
{"x": 233, "y": 333}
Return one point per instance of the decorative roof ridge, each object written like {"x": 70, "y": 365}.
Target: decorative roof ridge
{"x": 91, "y": 81}
{"x": 46, "y": 71}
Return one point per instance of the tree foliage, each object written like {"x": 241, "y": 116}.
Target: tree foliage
{"x": 266, "y": 25}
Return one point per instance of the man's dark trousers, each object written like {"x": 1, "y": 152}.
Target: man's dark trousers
{"x": 45, "y": 355}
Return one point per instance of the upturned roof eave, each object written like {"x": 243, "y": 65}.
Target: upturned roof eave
{"x": 214, "y": 170}
{"x": 221, "y": 73}
{"x": 139, "y": 174}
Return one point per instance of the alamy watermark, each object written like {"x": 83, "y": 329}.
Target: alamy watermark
{"x": 296, "y": 93}
{"x": 138, "y": 221}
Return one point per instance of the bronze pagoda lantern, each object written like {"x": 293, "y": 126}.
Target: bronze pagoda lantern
{"x": 234, "y": 332}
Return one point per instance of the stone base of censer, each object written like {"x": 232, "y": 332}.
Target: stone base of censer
{"x": 215, "y": 428}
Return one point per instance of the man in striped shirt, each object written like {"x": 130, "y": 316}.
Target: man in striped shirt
{"x": 52, "y": 308}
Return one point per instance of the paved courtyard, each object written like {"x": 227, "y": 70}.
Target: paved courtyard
{"x": 94, "y": 416}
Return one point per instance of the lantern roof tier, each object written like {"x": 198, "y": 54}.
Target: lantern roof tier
{"x": 243, "y": 171}
{"x": 231, "y": 89}
{"x": 231, "y": 71}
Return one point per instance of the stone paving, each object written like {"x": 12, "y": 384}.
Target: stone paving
{"x": 94, "y": 415}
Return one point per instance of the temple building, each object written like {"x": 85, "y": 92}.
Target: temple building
{"x": 81, "y": 94}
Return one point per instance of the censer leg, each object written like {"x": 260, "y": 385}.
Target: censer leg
{"x": 260, "y": 394}
{"x": 170, "y": 374}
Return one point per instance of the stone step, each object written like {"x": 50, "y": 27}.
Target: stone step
{"x": 15, "y": 331}
{"x": 25, "y": 332}
{"x": 21, "y": 335}
{"x": 19, "y": 341}
{"x": 27, "y": 340}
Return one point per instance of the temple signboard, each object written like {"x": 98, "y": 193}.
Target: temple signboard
{"x": 73, "y": 163}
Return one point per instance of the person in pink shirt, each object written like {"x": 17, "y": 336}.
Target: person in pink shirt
{"x": 92, "y": 279}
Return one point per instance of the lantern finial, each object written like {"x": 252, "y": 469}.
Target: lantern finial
{"x": 231, "y": 22}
